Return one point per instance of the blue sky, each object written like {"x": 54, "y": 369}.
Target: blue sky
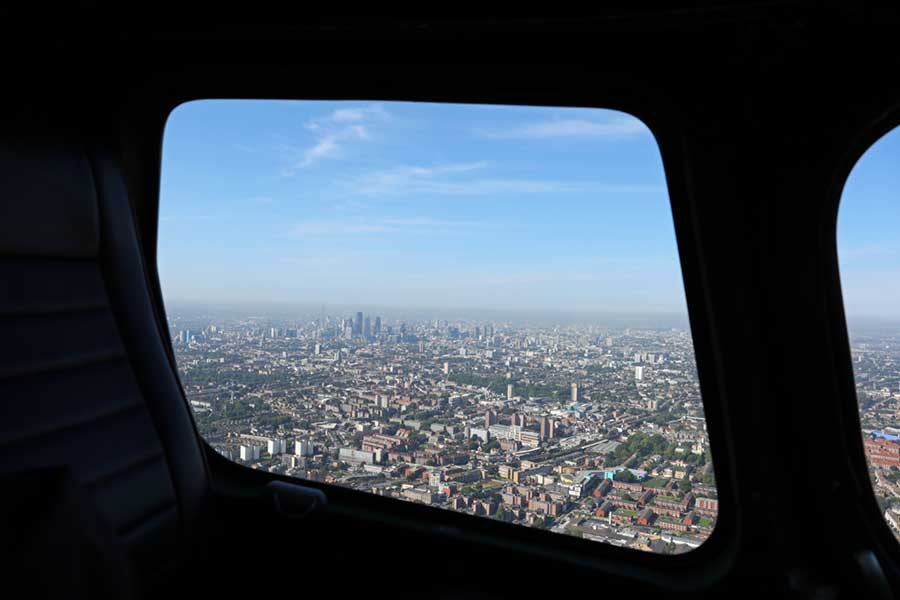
{"x": 415, "y": 205}
{"x": 869, "y": 232}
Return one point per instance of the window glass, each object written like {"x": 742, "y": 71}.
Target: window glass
{"x": 869, "y": 254}
{"x": 478, "y": 308}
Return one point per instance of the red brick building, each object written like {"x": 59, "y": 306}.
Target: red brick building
{"x": 624, "y": 503}
{"x": 665, "y": 509}
{"x": 622, "y": 518}
{"x": 603, "y": 489}
{"x": 882, "y": 452}
{"x": 646, "y": 517}
{"x": 605, "y": 509}
{"x": 671, "y": 524}
{"x": 631, "y": 487}
{"x": 707, "y": 505}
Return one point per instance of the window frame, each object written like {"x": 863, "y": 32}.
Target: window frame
{"x": 692, "y": 570}
{"x": 848, "y": 415}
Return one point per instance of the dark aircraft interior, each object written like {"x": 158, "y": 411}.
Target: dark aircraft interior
{"x": 760, "y": 111}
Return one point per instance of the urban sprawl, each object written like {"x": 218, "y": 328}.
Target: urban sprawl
{"x": 876, "y": 367}
{"x": 583, "y": 430}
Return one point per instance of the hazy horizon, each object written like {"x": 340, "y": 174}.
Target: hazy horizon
{"x": 857, "y": 324}
{"x": 290, "y": 310}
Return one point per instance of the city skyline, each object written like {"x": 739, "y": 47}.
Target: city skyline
{"x": 300, "y": 311}
{"x": 883, "y": 326}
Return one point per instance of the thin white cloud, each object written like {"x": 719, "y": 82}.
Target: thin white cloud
{"x": 455, "y": 179}
{"x": 333, "y": 133}
{"x": 444, "y": 169}
{"x": 412, "y": 178}
{"x": 324, "y": 228}
{"x": 622, "y": 127}
{"x": 343, "y": 115}
{"x": 329, "y": 145}
{"x": 346, "y": 227}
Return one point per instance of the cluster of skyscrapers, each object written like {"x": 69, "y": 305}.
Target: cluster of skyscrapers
{"x": 360, "y": 327}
